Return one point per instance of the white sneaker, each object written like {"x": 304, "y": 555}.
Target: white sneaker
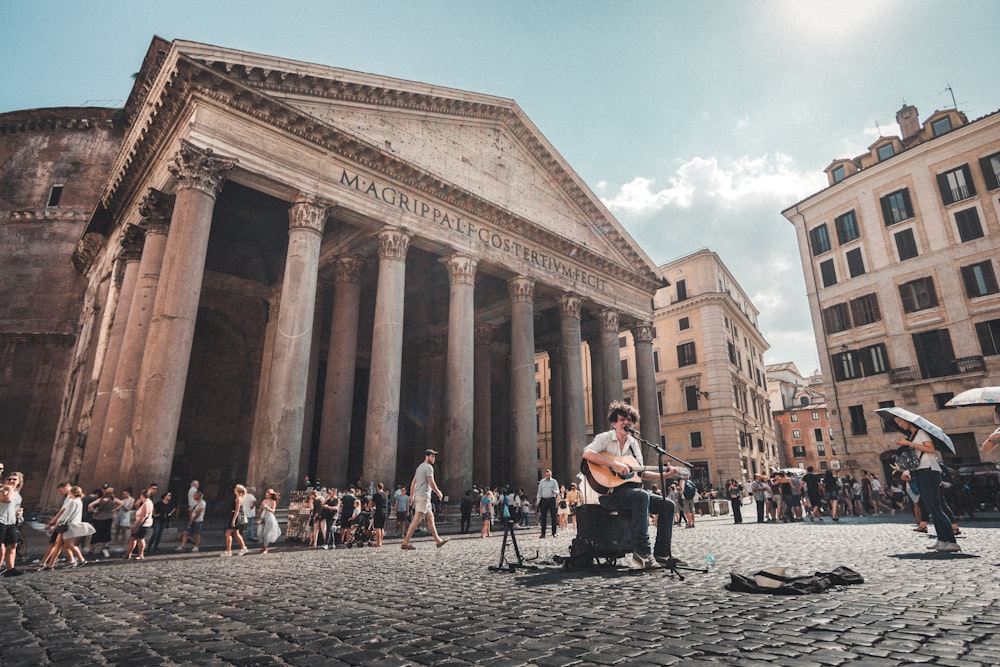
{"x": 180, "y": 549}
{"x": 243, "y": 552}
{"x": 949, "y": 547}
{"x": 104, "y": 552}
{"x": 194, "y": 550}
{"x": 937, "y": 545}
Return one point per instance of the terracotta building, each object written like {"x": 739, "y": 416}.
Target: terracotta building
{"x": 289, "y": 269}
{"x": 900, "y": 260}
{"x": 802, "y": 421}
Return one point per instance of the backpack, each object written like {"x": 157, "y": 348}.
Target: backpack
{"x": 689, "y": 489}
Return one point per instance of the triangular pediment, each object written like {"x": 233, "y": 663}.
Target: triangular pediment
{"x": 482, "y": 146}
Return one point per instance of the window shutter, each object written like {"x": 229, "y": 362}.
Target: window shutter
{"x": 992, "y": 181}
{"x": 942, "y": 180}
{"x": 969, "y": 278}
{"x": 886, "y": 211}
{"x": 906, "y": 297}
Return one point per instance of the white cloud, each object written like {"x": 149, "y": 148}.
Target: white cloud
{"x": 733, "y": 207}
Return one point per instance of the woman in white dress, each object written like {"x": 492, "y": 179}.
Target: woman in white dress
{"x": 75, "y": 528}
{"x": 270, "y": 531}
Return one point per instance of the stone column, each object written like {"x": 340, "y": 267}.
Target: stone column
{"x": 611, "y": 360}
{"x": 149, "y": 453}
{"x": 482, "y": 422}
{"x": 523, "y": 435}
{"x": 275, "y": 453}
{"x": 460, "y": 387}
{"x": 387, "y": 358}
{"x": 556, "y": 413}
{"x": 156, "y": 209}
{"x": 573, "y": 398}
{"x": 341, "y": 364}
{"x": 126, "y": 272}
{"x": 599, "y": 405}
{"x": 645, "y": 379}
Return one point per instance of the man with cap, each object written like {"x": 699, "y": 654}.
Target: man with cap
{"x": 421, "y": 487}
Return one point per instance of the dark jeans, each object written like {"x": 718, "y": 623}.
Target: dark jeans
{"x": 641, "y": 503}
{"x": 466, "y": 520}
{"x": 929, "y": 483}
{"x": 760, "y": 511}
{"x": 737, "y": 509}
{"x": 158, "y": 526}
{"x": 547, "y": 506}
{"x": 331, "y": 531}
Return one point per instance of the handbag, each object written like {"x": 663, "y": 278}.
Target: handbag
{"x": 907, "y": 458}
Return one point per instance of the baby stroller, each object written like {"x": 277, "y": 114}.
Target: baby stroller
{"x": 363, "y": 532}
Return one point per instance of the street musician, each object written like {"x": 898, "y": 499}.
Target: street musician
{"x": 613, "y": 462}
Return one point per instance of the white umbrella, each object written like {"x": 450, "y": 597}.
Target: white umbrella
{"x": 932, "y": 429}
{"x": 978, "y": 396}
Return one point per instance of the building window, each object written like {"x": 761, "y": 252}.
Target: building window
{"x": 656, "y": 361}
{"x": 865, "y": 310}
{"x": 828, "y": 272}
{"x": 815, "y": 417}
{"x": 956, "y": 185}
{"x": 659, "y": 403}
{"x": 837, "y": 318}
{"x": 732, "y": 352}
{"x": 859, "y": 426}
{"x": 991, "y": 170}
{"x": 855, "y": 263}
{"x": 906, "y": 244}
{"x": 819, "y": 239}
{"x": 839, "y": 174}
{"x": 885, "y": 151}
{"x": 821, "y": 449}
{"x": 684, "y": 324}
{"x": 847, "y": 227}
{"x": 918, "y": 294}
{"x": 941, "y": 126}
{"x": 695, "y": 439}
{"x": 682, "y": 290}
{"x": 818, "y": 434}
{"x": 55, "y": 195}
{"x": 622, "y": 342}
{"x": 874, "y": 360}
{"x": 935, "y": 354}
{"x": 538, "y": 390}
{"x": 979, "y": 279}
{"x": 896, "y": 207}
{"x": 968, "y": 224}
{"x": 796, "y": 434}
{"x": 691, "y": 397}
{"x": 686, "y": 355}
{"x": 989, "y": 337}
{"x": 846, "y": 366}
{"x": 941, "y": 399}
{"x": 799, "y": 451}
{"x": 624, "y": 369}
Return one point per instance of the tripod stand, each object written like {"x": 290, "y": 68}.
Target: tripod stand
{"x": 509, "y": 534}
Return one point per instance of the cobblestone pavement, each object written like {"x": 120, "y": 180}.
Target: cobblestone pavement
{"x": 297, "y": 606}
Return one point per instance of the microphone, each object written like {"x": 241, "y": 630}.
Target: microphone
{"x": 629, "y": 429}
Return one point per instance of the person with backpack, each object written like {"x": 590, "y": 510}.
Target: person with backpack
{"x": 688, "y": 493}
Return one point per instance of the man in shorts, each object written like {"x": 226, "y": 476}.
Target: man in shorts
{"x": 420, "y": 498}
{"x": 193, "y": 531}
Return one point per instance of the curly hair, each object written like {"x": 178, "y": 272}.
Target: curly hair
{"x": 623, "y": 409}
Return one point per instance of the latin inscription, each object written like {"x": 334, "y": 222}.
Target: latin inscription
{"x": 454, "y": 224}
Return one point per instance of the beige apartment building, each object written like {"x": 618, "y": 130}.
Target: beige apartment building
{"x": 711, "y": 394}
{"x": 900, "y": 262}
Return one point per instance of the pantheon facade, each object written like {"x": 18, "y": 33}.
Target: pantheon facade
{"x": 294, "y": 269}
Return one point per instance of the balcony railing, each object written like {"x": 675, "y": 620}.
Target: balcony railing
{"x": 960, "y": 366}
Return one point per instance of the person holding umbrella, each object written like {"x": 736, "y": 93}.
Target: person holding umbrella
{"x": 927, "y": 476}
{"x": 981, "y": 396}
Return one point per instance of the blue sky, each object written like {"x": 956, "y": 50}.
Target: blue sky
{"x": 695, "y": 122}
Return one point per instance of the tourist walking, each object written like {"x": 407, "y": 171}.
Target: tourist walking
{"x": 270, "y": 531}
{"x": 545, "y": 501}
{"x": 237, "y": 523}
{"x": 10, "y": 508}
{"x": 196, "y": 518}
{"x": 421, "y": 488}
{"x": 103, "y": 511}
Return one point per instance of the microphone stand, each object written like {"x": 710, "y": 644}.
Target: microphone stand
{"x": 671, "y": 565}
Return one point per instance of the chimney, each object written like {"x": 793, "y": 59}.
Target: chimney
{"x": 908, "y": 120}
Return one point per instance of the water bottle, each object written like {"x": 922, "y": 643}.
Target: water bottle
{"x": 709, "y": 556}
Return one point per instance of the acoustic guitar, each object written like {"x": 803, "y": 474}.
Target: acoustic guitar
{"x": 603, "y": 478}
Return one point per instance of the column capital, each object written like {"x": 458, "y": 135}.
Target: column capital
{"x": 555, "y": 353}
{"x": 308, "y": 215}
{"x": 349, "y": 269}
{"x": 642, "y": 332}
{"x": 521, "y": 289}
{"x": 393, "y": 242}
{"x": 156, "y": 209}
{"x": 461, "y": 269}
{"x": 569, "y": 304}
{"x": 132, "y": 241}
{"x": 199, "y": 169}
{"x": 483, "y": 334}
{"x": 609, "y": 321}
